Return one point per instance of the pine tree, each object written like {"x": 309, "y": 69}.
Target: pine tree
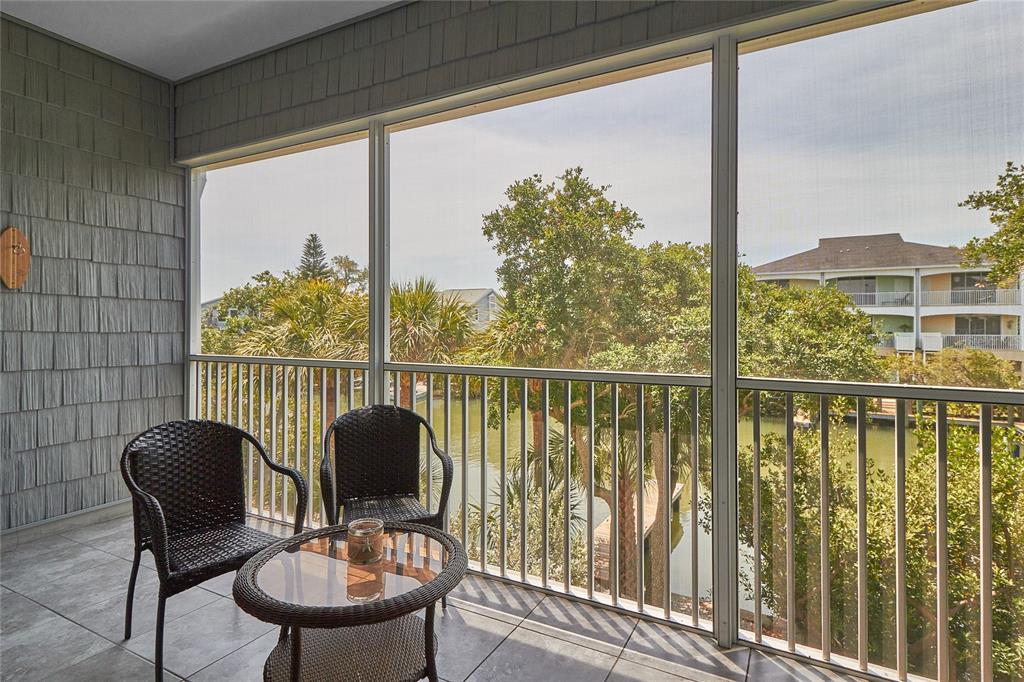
{"x": 313, "y": 264}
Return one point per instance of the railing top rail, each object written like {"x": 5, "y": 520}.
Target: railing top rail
{"x": 290, "y": 362}
{"x": 952, "y": 394}
{"x": 554, "y": 374}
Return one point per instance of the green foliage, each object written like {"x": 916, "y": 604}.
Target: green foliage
{"x": 313, "y": 264}
{"x": 1004, "y": 249}
{"x": 954, "y": 367}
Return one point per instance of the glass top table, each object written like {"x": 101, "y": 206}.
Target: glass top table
{"x": 364, "y": 614}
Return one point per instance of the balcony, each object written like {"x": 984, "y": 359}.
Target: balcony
{"x": 882, "y": 298}
{"x": 63, "y": 604}
{"x": 971, "y": 297}
{"x": 936, "y": 341}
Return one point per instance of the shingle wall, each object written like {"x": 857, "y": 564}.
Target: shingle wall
{"x": 424, "y": 50}
{"x": 91, "y": 348}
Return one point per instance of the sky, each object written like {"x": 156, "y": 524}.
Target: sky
{"x": 880, "y": 129}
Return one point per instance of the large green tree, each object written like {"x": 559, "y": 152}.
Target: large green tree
{"x": 313, "y": 264}
{"x": 1004, "y": 249}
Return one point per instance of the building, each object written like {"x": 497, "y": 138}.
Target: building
{"x": 484, "y": 304}
{"x": 210, "y": 314}
{"x": 918, "y": 295}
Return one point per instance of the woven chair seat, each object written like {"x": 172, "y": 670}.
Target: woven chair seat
{"x": 394, "y": 508}
{"x": 215, "y": 550}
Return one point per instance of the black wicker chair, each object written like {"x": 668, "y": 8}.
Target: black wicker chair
{"x": 377, "y": 467}
{"x": 188, "y": 500}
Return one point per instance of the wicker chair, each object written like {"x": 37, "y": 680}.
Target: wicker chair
{"x": 377, "y": 467}
{"x": 188, "y": 501}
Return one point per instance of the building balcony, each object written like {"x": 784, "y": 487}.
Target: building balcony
{"x": 971, "y": 297}
{"x": 882, "y": 298}
{"x": 935, "y": 341}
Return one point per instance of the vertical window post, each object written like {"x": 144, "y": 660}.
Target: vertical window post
{"x": 193, "y": 299}
{"x": 380, "y": 252}
{"x": 723, "y": 340}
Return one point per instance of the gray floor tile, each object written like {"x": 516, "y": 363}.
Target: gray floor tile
{"x": 119, "y": 544}
{"x": 781, "y": 669}
{"x": 107, "y": 617}
{"x": 221, "y": 584}
{"x": 582, "y": 624}
{"x": 243, "y": 665}
{"x": 464, "y": 639}
{"x": 628, "y": 671}
{"x": 113, "y": 663}
{"x": 88, "y": 586}
{"x": 202, "y": 637}
{"x": 123, "y": 525}
{"x": 529, "y": 655}
{"x": 494, "y": 598}
{"x": 46, "y": 560}
{"x": 39, "y": 642}
{"x": 683, "y": 653}
{"x": 18, "y": 613}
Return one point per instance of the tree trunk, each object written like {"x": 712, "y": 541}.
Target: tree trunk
{"x": 659, "y": 575}
{"x": 627, "y": 539}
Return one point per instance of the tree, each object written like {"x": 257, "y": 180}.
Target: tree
{"x": 348, "y": 274}
{"x": 313, "y": 264}
{"x": 1005, "y": 248}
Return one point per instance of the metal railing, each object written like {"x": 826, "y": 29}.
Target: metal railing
{"x": 597, "y": 485}
{"x": 826, "y": 467}
{"x": 972, "y": 297}
{"x": 982, "y": 341}
{"x": 882, "y": 298}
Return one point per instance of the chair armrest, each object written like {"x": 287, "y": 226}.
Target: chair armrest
{"x": 327, "y": 481}
{"x": 447, "y": 474}
{"x": 301, "y": 490}
{"x": 154, "y": 519}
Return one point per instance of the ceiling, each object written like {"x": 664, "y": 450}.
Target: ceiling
{"x": 179, "y": 38}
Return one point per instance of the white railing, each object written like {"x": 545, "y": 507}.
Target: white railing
{"x": 972, "y": 297}
{"x": 882, "y": 298}
{"x": 982, "y": 341}
{"x": 610, "y": 476}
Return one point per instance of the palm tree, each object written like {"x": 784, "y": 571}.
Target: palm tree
{"x": 426, "y": 325}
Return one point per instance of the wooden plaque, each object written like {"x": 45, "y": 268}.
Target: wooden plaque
{"x": 15, "y": 258}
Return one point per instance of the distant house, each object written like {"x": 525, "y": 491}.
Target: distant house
{"x": 485, "y": 304}
{"x": 918, "y": 295}
{"x": 209, "y": 314}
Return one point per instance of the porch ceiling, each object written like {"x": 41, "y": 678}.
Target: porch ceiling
{"x": 179, "y": 38}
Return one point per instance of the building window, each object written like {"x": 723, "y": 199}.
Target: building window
{"x": 978, "y": 324}
{"x": 970, "y": 280}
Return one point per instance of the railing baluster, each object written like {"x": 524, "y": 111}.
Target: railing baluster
{"x": 319, "y": 434}
{"x": 447, "y": 400}
{"x": 546, "y": 465}
{"x": 524, "y": 417}
{"x": 790, "y": 531}
{"x": 396, "y": 381}
{"x": 694, "y": 493}
{"x": 273, "y": 439}
{"x": 309, "y": 446}
{"x": 198, "y": 386}
{"x": 941, "y": 543}
{"x": 430, "y": 455}
{"x": 640, "y": 480}
{"x": 263, "y": 439}
{"x": 483, "y": 474}
{"x": 613, "y": 540}
{"x": 503, "y": 474}
{"x": 901, "y": 539}
{"x": 465, "y": 461}
{"x": 249, "y": 425}
{"x": 208, "y": 385}
{"x": 228, "y": 396}
{"x": 862, "y": 534}
{"x": 592, "y": 453}
{"x": 566, "y": 475}
{"x": 985, "y": 554}
{"x": 756, "y": 485}
{"x": 668, "y": 493}
{"x": 217, "y": 412}
{"x": 826, "y": 572}
{"x": 350, "y": 394}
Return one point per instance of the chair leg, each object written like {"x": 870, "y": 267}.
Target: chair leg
{"x": 131, "y": 594}
{"x": 160, "y": 638}
{"x": 444, "y": 602}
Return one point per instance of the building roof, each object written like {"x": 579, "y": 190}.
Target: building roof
{"x": 469, "y": 296}
{"x": 863, "y": 252}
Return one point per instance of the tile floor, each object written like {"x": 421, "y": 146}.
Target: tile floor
{"x": 62, "y": 611}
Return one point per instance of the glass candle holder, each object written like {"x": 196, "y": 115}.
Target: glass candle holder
{"x": 365, "y": 541}
{"x": 364, "y": 582}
